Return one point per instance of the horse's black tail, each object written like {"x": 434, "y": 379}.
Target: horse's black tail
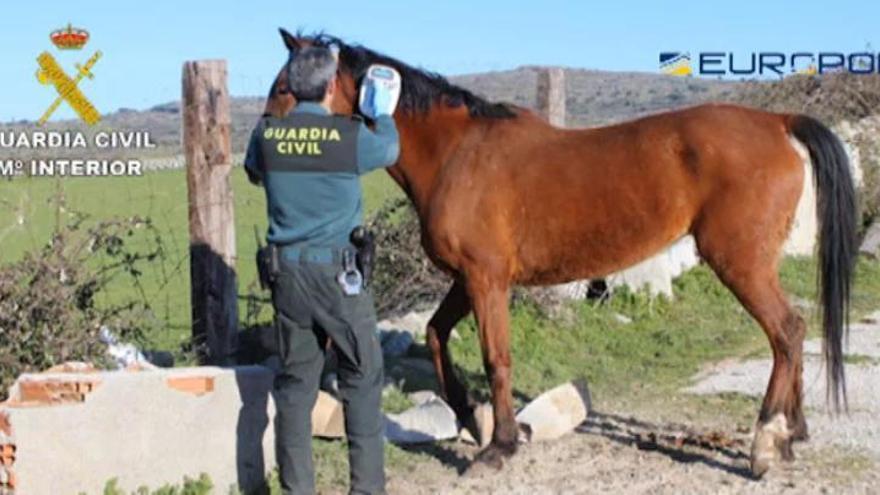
{"x": 837, "y": 212}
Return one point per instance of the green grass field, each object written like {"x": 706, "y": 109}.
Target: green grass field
{"x": 31, "y": 212}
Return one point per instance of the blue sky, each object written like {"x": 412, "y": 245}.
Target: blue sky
{"x": 145, "y": 43}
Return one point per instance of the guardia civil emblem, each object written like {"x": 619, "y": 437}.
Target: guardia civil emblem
{"x": 66, "y": 87}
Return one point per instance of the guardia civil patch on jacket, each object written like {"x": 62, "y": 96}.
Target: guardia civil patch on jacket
{"x": 302, "y": 142}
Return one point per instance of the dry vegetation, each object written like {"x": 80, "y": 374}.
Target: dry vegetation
{"x": 832, "y": 98}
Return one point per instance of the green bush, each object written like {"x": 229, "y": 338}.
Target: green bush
{"x": 53, "y": 302}
{"x": 404, "y": 278}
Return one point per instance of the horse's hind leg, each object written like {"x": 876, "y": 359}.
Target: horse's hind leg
{"x": 455, "y": 306}
{"x": 744, "y": 253}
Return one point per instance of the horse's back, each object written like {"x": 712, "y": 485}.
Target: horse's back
{"x": 559, "y": 205}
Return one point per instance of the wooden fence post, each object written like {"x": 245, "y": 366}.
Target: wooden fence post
{"x": 551, "y": 95}
{"x": 207, "y": 148}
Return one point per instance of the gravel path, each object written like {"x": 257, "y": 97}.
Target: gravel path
{"x": 860, "y": 428}
{"x": 618, "y": 454}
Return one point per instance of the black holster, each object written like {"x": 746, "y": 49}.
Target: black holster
{"x": 267, "y": 265}
{"x": 364, "y": 241}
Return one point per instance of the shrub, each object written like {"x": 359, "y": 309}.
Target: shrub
{"x": 51, "y": 309}
{"x": 404, "y": 278}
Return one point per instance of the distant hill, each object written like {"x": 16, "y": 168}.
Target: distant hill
{"x": 599, "y": 97}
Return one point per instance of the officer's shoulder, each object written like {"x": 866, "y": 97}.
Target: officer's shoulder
{"x": 357, "y": 118}
{"x": 264, "y": 121}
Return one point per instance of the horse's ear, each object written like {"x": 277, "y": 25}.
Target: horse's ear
{"x": 290, "y": 41}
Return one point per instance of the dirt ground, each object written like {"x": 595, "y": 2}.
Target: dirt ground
{"x": 640, "y": 451}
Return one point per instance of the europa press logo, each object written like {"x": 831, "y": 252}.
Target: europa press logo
{"x": 67, "y": 87}
{"x": 770, "y": 63}
{"x": 676, "y": 63}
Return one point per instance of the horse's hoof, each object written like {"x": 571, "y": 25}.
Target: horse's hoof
{"x": 772, "y": 444}
{"x": 493, "y": 455}
{"x": 759, "y": 467}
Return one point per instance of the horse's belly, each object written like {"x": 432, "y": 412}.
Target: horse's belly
{"x": 596, "y": 250}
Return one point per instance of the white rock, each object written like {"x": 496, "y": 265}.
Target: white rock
{"x": 414, "y": 323}
{"x": 484, "y": 417}
{"x": 556, "y": 412}
{"x": 626, "y": 320}
{"x": 395, "y": 343}
{"x": 871, "y": 245}
{"x": 328, "y": 420}
{"x": 427, "y": 422}
{"x": 422, "y": 396}
{"x": 656, "y": 273}
{"x": 465, "y": 436}
{"x": 572, "y": 291}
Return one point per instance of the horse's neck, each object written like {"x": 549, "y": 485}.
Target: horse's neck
{"x": 427, "y": 141}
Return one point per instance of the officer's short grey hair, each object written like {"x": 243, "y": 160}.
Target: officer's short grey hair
{"x": 310, "y": 72}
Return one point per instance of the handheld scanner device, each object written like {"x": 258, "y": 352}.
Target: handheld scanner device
{"x": 381, "y": 77}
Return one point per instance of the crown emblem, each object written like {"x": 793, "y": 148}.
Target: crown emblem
{"x": 69, "y": 38}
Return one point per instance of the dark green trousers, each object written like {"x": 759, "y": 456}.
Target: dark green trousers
{"x": 310, "y": 308}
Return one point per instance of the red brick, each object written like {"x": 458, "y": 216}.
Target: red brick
{"x": 7, "y": 455}
{"x": 35, "y": 392}
{"x": 196, "y": 385}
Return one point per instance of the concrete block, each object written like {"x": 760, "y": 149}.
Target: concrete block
{"x": 556, "y": 412}
{"x": 76, "y": 431}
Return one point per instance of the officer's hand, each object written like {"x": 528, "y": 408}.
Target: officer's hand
{"x": 381, "y": 100}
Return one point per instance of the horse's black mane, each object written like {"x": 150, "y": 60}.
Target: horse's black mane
{"x": 420, "y": 89}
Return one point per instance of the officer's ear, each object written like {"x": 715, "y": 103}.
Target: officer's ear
{"x": 292, "y": 43}
{"x": 332, "y": 84}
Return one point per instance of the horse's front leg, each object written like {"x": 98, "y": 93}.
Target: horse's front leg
{"x": 455, "y": 306}
{"x": 489, "y": 297}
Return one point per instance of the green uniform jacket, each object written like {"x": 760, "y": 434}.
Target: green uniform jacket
{"x": 309, "y": 163}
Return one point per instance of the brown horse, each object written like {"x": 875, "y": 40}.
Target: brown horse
{"x": 505, "y": 198}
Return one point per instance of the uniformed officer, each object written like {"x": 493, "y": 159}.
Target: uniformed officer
{"x": 309, "y": 163}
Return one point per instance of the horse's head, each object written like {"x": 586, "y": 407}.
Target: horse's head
{"x": 344, "y": 91}
{"x": 420, "y": 90}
